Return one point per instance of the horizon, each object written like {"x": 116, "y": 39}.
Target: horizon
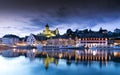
{"x": 24, "y": 17}
{"x": 59, "y": 31}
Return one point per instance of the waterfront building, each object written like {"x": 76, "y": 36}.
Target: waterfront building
{"x": 49, "y": 33}
{"x": 93, "y": 39}
{"x": 35, "y": 39}
{"x": 61, "y": 41}
{"x": 22, "y": 42}
{"x": 10, "y": 39}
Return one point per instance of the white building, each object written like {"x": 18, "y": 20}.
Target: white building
{"x": 35, "y": 39}
{"x": 94, "y": 39}
{"x": 31, "y": 40}
{"x": 90, "y": 42}
{"x": 10, "y": 39}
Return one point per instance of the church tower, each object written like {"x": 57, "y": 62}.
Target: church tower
{"x": 47, "y": 27}
{"x": 49, "y": 33}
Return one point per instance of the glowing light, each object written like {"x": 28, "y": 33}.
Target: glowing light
{"x": 34, "y": 44}
{"x": 14, "y": 50}
{"x": 60, "y": 55}
{"x": 14, "y": 46}
{"x": 34, "y": 50}
{"x": 115, "y": 53}
{"x": 94, "y": 52}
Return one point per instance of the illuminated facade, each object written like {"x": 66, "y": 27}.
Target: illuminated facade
{"x": 49, "y": 33}
{"x": 61, "y": 42}
{"x": 90, "y": 42}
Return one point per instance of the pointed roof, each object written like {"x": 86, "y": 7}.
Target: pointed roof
{"x": 47, "y": 25}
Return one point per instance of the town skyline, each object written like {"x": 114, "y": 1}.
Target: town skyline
{"x": 76, "y": 31}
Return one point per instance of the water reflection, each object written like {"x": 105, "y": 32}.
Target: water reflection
{"x": 49, "y": 60}
{"x": 65, "y": 59}
{"x": 51, "y": 66}
{"x": 91, "y": 55}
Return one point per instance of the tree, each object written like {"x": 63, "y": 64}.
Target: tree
{"x": 69, "y": 32}
{"x": 85, "y": 31}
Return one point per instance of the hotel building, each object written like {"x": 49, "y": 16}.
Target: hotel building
{"x": 93, "y": 40}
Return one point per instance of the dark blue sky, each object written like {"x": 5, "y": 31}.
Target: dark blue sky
{"x": 22, "y": 17}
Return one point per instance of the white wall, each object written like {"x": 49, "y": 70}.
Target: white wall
{"x": 10, "y": 41}
{"x": 92, "y": 43}
{"x": 31, "y": 40}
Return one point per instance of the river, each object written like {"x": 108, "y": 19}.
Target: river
{"x": 22, "y": 65}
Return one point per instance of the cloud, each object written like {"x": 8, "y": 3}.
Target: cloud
{"x": 108, "y": 25}
{"x": 16, "y": 25}
{"x": 21, "y": 17}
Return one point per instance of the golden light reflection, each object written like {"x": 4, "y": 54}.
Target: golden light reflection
{"x": 60, "y": 55}
{"x": 34, "y": 50}
{"x": 115, "y": 53}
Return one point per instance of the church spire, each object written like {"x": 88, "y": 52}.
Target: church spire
{"x": 47, "y": 25}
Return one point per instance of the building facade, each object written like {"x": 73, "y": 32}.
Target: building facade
{"x": 92, "y": 41}
{"x": 49, "y": 33}
{"x": 31, "y": 40}
{"x": 61, "y": 41}
{"x": 10, "y": 39}
{"x": 35, "y": 40}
